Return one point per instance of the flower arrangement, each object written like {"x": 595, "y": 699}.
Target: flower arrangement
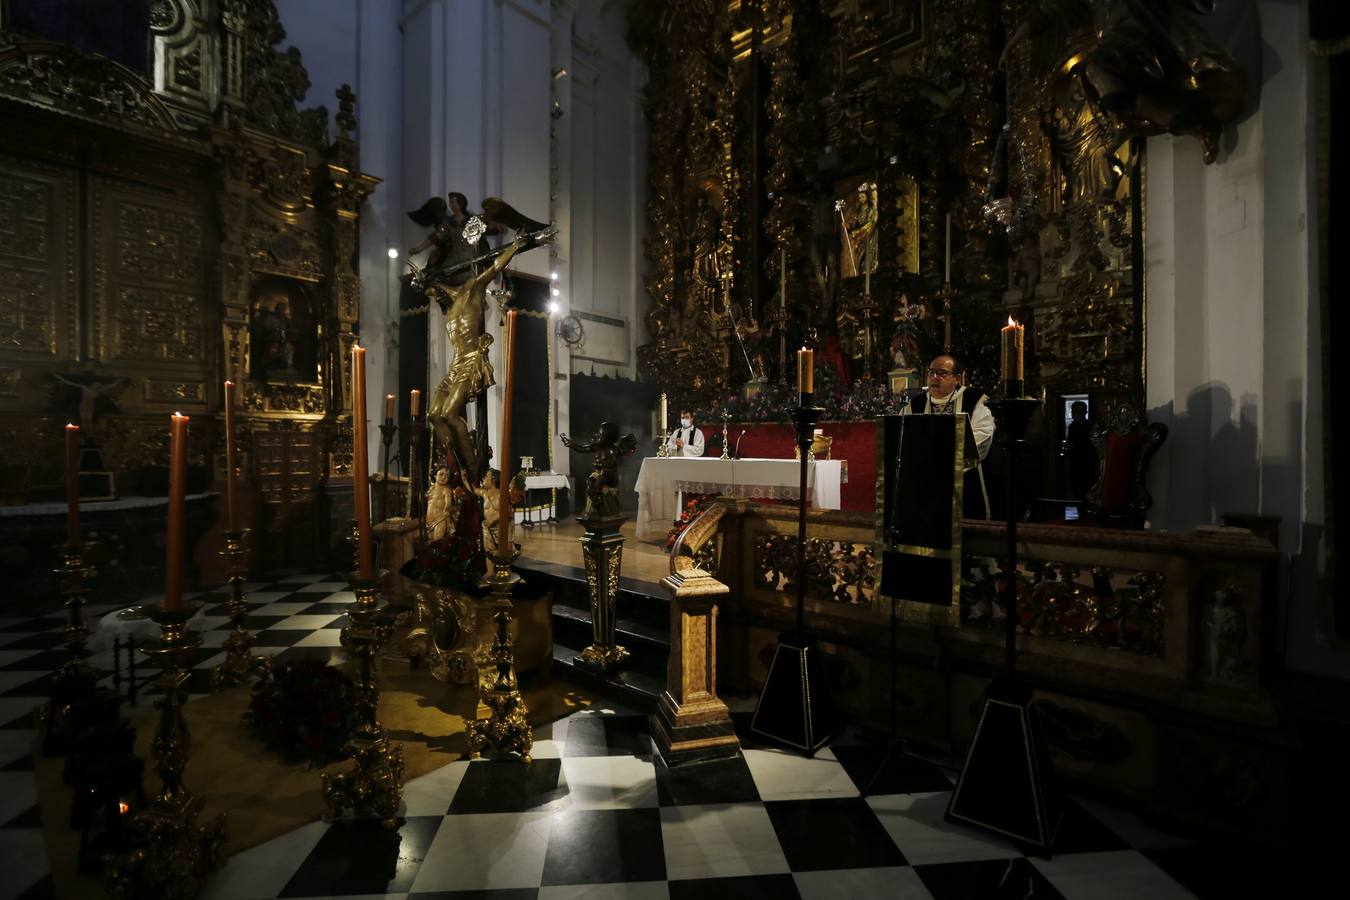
{"x": 694, "y": 505}
{"x": 306, "y": 711}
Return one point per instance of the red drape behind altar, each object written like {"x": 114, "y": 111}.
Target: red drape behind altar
{"x": 855, "y": 442}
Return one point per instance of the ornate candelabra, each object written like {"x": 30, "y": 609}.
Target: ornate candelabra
{"x": 387, "y": 431}
{"x": 374, "y": 784}
{"x": 239, "y": 664}
{"x": 796, "y": 708}
{"x": 663, "y": 450}
{"x": 75, "y": 682}
{"x": 726, "y": 419}
{"x": 172, "y": 853}
{"x": 500, "y": 724}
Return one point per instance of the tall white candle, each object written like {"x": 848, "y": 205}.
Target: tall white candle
{"x": 782, "y": 278}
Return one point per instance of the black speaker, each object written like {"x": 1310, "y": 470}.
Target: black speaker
{"x": 796, "y": 707}
{"x": 1007, "y": 784}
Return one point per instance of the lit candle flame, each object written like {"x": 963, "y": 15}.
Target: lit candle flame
{"x": 123, "y": 808}
{"x": 1011, "y": 322}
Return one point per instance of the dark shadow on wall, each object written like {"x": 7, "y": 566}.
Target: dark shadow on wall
{"x": 1214, "y": 464}
{"x": 627, "y": 403}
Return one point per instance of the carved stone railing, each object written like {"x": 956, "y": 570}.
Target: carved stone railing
{"x": 1148, "y": 653}
{"x": 1171, "y": 612}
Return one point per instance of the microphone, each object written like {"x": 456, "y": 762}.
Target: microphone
{"x": 908, "y": 398}
{"x": 736, "y": 454}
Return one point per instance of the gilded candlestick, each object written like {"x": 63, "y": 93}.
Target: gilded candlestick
{"x": 504, "y": 728}
{"x": 374, "y": 784}
{"x": 171, "y": 853}
{"x": 239, "y": 663}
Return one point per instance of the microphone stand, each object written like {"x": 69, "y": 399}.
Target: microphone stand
{"x": 796, "y": 707}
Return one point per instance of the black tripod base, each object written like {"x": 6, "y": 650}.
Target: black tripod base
{"x": 796, "y": 708}
{"x": 1008, "y": 784}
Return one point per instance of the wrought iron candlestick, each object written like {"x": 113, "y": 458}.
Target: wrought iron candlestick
{"x": 1009, "y": 746}
{"x": 504, "y": 728}
{"x": 239, "y": 664}
{"x": 172, "y": 854}
{"x": 374, "y": 784}
{"x": 387, "y": 431}
{"x": 416, "y": 425}
{"x": 796, "y": 708}
{"x": 75, "y": 682}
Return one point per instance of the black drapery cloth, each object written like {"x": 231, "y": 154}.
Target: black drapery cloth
{"x": 530, "y": 403}
{"x": 1329, "y": 29}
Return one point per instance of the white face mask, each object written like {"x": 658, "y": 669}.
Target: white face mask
{"x": 687, "y": 423}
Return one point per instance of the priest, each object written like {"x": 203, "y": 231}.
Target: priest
{"x": 946, "y": 394}
{"x": 687, "y": 440}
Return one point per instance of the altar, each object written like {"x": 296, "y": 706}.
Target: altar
{"x": 662, "y": 482}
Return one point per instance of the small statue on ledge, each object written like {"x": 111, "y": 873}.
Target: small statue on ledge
{"x": 602, "y": 485}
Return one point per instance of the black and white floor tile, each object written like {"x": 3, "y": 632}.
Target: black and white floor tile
{"x": 596, "y": 815}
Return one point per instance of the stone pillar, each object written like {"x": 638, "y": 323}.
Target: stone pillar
{"x": 691, "y": 722}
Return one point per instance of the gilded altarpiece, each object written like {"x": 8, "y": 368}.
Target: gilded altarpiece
{"x": 153, "y": 225}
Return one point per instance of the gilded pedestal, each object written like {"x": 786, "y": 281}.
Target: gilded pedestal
{"x": 691, "y": 722}
{"x": 602, "y": 549}
{"x": 374, "y": 784}
{"x": 172, "y": 853}
{"x": 239, "y": 663}
{"x": 75, "y": 682}
{"x": 500, "y": 725}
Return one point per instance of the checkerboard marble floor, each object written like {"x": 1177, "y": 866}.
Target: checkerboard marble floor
{"x": 597, "y": 815}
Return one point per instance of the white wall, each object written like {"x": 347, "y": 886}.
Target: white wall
{"x": 1233, "y": 336}
{"x": 455, "y": 95}
{"x": 357, "y": 42}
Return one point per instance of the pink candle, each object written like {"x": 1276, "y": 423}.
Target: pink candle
{"x": 504, "y": 517}
{"x": 361, "y": 465}
{"x": 72, "y": 485}
{"x": 173, "y": 545}
{"x": 231, "y": 505}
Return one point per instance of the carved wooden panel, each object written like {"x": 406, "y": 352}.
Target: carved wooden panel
{"x": 149, "y": 277}
{"x": 38, "y": 313}
{"x": 287, "y": 476}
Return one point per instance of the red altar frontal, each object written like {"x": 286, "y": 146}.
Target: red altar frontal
{"x": 853, "y": 442}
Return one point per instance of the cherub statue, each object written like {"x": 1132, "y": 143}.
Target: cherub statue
{"x": 602, "y": 485}
{"x": 439, "y": 502}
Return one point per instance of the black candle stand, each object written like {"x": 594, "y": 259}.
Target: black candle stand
{"x": 387, "y": 431}
{"x": 796, "y": 708}
{"x": 416, "y": 425}
{"x": 1007, "y": 784}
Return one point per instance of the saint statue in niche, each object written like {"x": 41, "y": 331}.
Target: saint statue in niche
{"x": 857, "y": 214}
{"x": 273, "y": 337}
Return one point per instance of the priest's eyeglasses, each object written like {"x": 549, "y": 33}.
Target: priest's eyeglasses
{"x": 941, "y": 373}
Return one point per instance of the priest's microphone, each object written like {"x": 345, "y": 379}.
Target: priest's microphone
{"x": 736, "y": 453}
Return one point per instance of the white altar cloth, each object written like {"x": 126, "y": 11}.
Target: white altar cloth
{"x": 662, "y": 482}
